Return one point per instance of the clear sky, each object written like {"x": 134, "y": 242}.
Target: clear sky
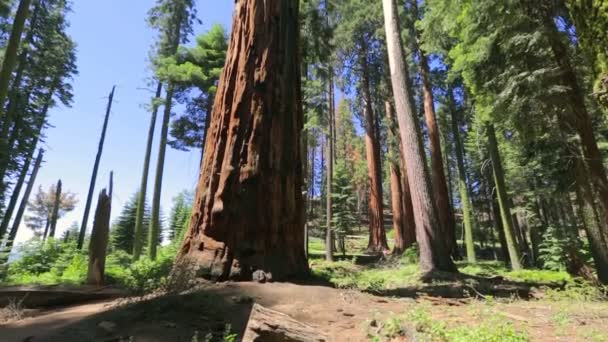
{"x": 113, "y": 41}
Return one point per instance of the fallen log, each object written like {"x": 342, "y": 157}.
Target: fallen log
{"x": 266, "y": 325}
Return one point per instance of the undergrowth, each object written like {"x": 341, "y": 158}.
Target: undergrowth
{"x": 55, "y": 262}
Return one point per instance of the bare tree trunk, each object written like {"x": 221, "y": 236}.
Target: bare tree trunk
{"x": 55, "y": 209}
{"x": 247, "y": 220}
{"x": 87, "y": 207}
{"x": 438, "y": 180}
{"x": 154, "y": 231}
{"x": 403, "y": 215}
{"x": 26, "y": 165}
{"x": 138, "y": 239}
{"x": 377, "y": 234}
{"x": 99, "y": 240}
{"x": 503, "y": 198}
{"x": 463, "y": 189}
{"x": 10, "y": 54}
{"x": 329, "y": 162}
{"x": 434, "y": 254}
{"x": 23, "y": 204}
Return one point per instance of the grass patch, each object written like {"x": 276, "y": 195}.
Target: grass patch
{"x": 419, "y": 325}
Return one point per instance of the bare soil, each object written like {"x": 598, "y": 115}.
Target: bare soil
{"x": 345, "y": 315}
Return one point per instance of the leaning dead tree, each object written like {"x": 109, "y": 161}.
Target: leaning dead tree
{"x": 87, "y": 206}
{"x": 247, "y": 221}
{"x": 99, "y": 240}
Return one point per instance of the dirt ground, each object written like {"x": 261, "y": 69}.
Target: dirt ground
{"x": 344, "y": 315}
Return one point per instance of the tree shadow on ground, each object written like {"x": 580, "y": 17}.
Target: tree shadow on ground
{"x": 206, "y": 313}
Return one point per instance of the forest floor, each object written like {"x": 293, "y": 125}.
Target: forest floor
{"x": 357, "y": 298}
{"x": 345, "y": 315}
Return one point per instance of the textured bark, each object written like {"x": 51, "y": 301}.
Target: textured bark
{"x": 397, "y": 206}
{"x": 55, "y": 213}
{"x": 463, "y": 189}
{"x": 87, "y": 207}
{"x": 10, "y": 54}
{"x": 154, "y": 231}
{"x": 23, "y": 204}
{"x": 401, "y": 201}
{"x": 99, "y": 240}
{"x": 141, "y": 199}
{"x": 267, "y": 325}
{"x": 434, "y": 254}
{"x": 503, "y": 198}
{"x": 439, "y": 183}
{"x": 247, "y": 221}
{"x": 377, "y": 235}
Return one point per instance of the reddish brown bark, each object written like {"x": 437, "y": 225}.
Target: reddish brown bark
{"x": 434, "y": 254}
{"x": 247, "y": 221}
{"x": 377, "y": 234}
{"x": 440, "y": 188}
{"x": 401, "y": 201}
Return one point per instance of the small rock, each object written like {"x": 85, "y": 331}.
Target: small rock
{"x": 373, "y": 323}
{"x": 339, "y": 310}
{"x": 348, "y": 314}
{"x": 108, "y": 326}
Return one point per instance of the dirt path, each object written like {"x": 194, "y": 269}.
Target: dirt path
{"x": 344, "y": 315}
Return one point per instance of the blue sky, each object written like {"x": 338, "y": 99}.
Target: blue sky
{"x": 113, "y": 43}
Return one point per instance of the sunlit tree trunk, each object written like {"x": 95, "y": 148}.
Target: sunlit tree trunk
{"x": 463, "y": 189}
{"x": 247, "y": 220}
{"x": 438, "y": 180}
{"x": 434, "y": 253}
{"x": 329, "y": 173}
{"x": 377, "y": 235}
{"x": 138, "y": 239}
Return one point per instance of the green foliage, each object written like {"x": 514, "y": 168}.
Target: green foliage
{"x": 56, "y": 262}
{"x": 122, "y": 234}
{"x": 180, "y": 216}
{"x": 343, "y": 201}
{"x": 196, "y": 72}
{"x": 553, "y": 250}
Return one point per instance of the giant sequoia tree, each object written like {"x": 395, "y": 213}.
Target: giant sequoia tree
{"x": 253, "y": 149}
{"x": 434, "y": 253}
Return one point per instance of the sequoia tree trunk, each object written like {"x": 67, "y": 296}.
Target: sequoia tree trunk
{"x": 377, "y": 235}
{"x": 99, "y": 240}
{"x": 247, "y": 221}
{"x": 439, "y": 183}
{"x": 434, "y": 253}
{"x": 401, "y": 201}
